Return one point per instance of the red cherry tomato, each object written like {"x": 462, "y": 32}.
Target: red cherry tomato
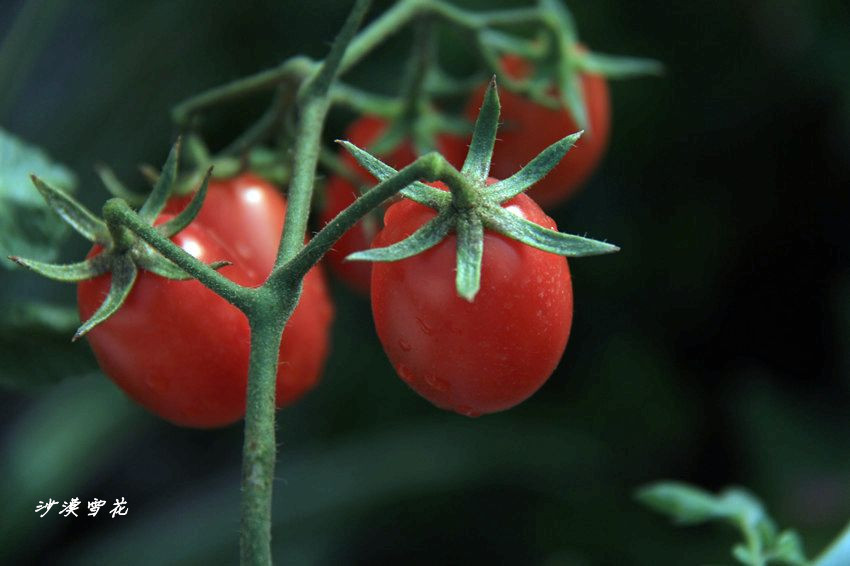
{"x": 247, "y": 213}
{"x": 339, "y": 193}
{"x": 528, "y": 128}
{"x": 180, "y": 350}
{"x": 479, "y": 357}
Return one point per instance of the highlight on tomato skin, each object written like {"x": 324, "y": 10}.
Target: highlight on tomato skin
{"x": 340, "y": 192}
{"x": 474, "y": 357}
{"x": 527, "y": 128}
{"x": 186, "y": 358}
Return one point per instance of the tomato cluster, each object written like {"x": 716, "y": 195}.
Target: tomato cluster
{"x": 186, "y": 359}
{"x": 180, "y": 350}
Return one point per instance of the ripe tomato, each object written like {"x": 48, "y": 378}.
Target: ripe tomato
{"x": 247, "y": 212}
{"x": 528, "y": 128}
{"x": 339, "y": 193}
{"x": 180, "y": 350}
{"x": 478, "y": 357}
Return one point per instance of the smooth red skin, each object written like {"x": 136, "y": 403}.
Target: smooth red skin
{"x": 247, "y": 213}
{"x": 339, "y": 193}
{"x": 528, "y": 128}
{"x": 174, "y": 346}
{"x": 479, "y": 357}
{"x": 180, "y": 350}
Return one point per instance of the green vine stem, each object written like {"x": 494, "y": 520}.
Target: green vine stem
{"x": 390, "y": 23}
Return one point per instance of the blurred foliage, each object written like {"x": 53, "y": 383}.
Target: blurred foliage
{"x": 28, "y": 227}
{"x": 712, "y": 349}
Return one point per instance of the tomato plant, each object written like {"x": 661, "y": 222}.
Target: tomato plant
{"x": 185, "y": 301}
{"x": 481, "y": 356}
{"x": 182, "y": 351}
{"x": 528, "y": 128}
{"x": 340, "y": 192}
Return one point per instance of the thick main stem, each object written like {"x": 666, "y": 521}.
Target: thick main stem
{"x": 258, "y": 457}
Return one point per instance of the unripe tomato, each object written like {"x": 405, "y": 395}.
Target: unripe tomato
{"x": 180, "y": 350}
{"x": 472, "y": 357}
{"x": 528, "y": 128}
{"x": 339, "y": 193}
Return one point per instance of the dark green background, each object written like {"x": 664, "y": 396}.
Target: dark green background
{"x": 712, "y": 349}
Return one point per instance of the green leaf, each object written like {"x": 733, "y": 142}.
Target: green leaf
{"x": 69, "y": 273}
{"x": 27, "y": 226}
{"x": 147, "y": 258}
{"x": 428, "y": 235}
{"x": 470, "y": 254}
{"x": 509, "y": 224}
{"x": 616, "y": 67}
{"x": 744, "y": 555}
{"x": 789, "y": 548}
{"x": 477, "y": 163}
{"x": 418, "y": 192}
{"x": 115, "y": 187}
{"x": 538, "y": 168}
{"x": 71, "y": 211}
{"x": 564, "y": 17}
{"x": 572, "y": 96}
{"x": 124, "y": 273}
{"x": 164, "y": 185}
{"x": 508, "y": 43}
{"x": 36, "y": 348}
{"x": 838, "y": 551}
{"x": 685, "y": 504}
{"x": 188, "y": 214}
{"x": 735, "y": 506}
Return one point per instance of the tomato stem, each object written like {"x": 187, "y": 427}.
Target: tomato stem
{"x": 258, "y": 455}
{"x": 116, "y": 212}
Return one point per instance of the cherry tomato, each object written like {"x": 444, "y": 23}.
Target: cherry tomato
{"x": 479, "y": 357}
{"x": 180, "y": 350}
{"x": 528, "y": 128}
{"x": 339, "y": 193}
{"x": 247, "y": 213}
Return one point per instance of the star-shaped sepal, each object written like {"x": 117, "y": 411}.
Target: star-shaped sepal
{"x": 471, "y": 206}
{"x": 122, "y": 254}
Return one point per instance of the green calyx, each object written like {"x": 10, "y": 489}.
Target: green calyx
{"x": 557, "y": 59}
{"x": 471, "y": 205}
{"x": 261, "y": 160}
{"x": 123, "y": 253}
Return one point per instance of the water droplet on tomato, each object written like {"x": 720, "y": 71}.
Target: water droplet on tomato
{"x": 424, "y": 326}
{"x": 437, "y": 383}
{"x": 404, "y": 373}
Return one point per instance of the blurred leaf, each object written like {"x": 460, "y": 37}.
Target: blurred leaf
{"x": 36, "y": 348}
{"x": 686, "y": 505}
{"x": 28, "y": 228}
{"x": 690, "y": 505}
{"x": 789, "y": 547}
